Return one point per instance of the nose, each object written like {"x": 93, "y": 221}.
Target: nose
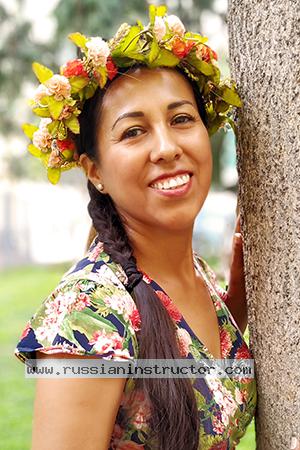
{"x": 165, "y": 147}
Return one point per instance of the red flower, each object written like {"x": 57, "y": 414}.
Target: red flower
{"x": 226, "y": 343}
{"x": 66, "y": 144}
{"x": 243, "y": 352}
{"x": 135, "y": 320}
{"x": 74, "y": 68}
{"x": 169, "y": 305}
{"x": 180, "y": 48}
{"x": 206, "y": 53}
{"x": 111, "y": 68}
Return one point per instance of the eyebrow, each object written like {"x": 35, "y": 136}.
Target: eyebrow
{"x": 141, "y": 114}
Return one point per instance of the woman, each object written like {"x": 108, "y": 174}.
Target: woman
{"x": 140, "y": 291}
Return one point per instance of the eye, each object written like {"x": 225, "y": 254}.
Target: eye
{"x": 183, "y": 118}
{"x": 131, "y": 133}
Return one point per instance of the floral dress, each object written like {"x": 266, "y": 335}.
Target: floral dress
{"x": 90, "y": 312}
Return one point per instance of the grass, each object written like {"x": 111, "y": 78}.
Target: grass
{"x": 21, "y": 292}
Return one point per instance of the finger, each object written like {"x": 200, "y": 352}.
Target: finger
{"x": 294, "y": 444}
{"x": 238, "y": 224}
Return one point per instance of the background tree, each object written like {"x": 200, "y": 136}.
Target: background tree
{"x": 264, "y": 53}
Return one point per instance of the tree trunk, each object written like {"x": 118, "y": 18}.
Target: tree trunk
{"x": 264, "y": 43}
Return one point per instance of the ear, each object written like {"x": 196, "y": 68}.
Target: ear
{"x": 91, "y": 169}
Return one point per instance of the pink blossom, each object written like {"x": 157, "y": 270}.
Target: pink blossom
{"x": 97, "y": 250}
{"x": 159, "y": 28}
{"x": 226, "y": 343}
{"x": 98, "y": 51}
{"x": 42, "y": 139}
{"x": 175, "y": 25}
{"x": 59, "y": 86}
{"x": 40, "y": 93}
{"x": 184, "y": 341}
{"x": 55, "y": 159}
{"x": 82, "y": 301}
{"x": 104, "y": 342}
{"x": 218, "y": 426}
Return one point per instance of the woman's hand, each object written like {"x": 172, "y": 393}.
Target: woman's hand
{"x": 236, "y": 301}
{"x": 295, "y": 445}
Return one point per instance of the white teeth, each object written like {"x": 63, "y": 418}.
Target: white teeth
{"x": 172, "y": 183}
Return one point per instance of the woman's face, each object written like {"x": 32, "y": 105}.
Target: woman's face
{"x": 154, "y": 151}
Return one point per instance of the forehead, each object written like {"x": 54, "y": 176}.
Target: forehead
{"x": 145, "y": 88}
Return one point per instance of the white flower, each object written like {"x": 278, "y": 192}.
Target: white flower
{"x": 98, "y": 51}
{"x": 159, "y": 28}
{"x": 175, "y": 25}
{"x": 42, "y": 138}
{"x": 41, "y": 92}
{"x": 59, "y": 86}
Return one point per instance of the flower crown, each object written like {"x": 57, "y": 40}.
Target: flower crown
{"x": 164, "y": 42}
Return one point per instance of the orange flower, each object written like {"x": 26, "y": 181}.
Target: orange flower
{"x": 180, "y": 48}
{"x": 205, "y": 53}
{"x": 74, "y": 68}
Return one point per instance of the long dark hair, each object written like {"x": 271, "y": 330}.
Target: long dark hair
{"x": 174, "y": 421}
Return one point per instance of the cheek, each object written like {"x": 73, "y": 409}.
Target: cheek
{"x": 122, "y": 172}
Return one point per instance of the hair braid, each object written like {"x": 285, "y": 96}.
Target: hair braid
{"x": 174, "y": 418}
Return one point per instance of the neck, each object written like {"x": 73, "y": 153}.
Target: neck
{"x": 163, "y": 254}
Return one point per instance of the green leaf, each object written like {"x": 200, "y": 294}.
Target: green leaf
{"x": 78, "y": 83}
{"x": 87, "y": 324}
{"x": 42, "y": 112}
{"x": 73, "y": 124}
{"x": 221, "y": 106}
{"x": 102, "y": 71}
{"x": 53, "y": 175}
{"x": 55, "y": 107}
{"x": 165, "y": 58}
{"x": 152, "y": 13}
{"x": 53, "y": 127}
{"x": 34, "y": 150}
{"x": 29, "y": 129}
{"x": 230, "y": 96}
{"x": 161, "y": 10}
{"x": 79, "y": 39}
{"x": 130, "y": 41}
{"x": 89, "y": 90}
{"x": 154, "y": 51}
{"x": 215, "y": 125}
{"x": 203, "y": 67}
{"x": 197, "y": 37}
{"x": 61, "y": 131}
{"x": 41, "y": 72}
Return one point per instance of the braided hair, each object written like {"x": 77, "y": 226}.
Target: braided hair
{"x": 174, "y": 418}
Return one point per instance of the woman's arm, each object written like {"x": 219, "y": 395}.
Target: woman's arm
{"x": 236, "y": 294}
{"x": 75, "y": 413}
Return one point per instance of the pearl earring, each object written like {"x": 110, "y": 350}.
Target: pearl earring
{"x": 100, "y": 187}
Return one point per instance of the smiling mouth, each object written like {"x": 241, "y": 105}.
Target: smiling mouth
{"x": 172, "y": 183}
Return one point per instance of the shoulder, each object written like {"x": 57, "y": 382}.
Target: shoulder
{"x": 90, "y": 312}
{"x": 210, "y": 273}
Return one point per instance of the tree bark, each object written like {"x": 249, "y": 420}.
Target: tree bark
{"x": 264, "y": 42}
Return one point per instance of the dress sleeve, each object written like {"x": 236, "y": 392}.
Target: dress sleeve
{"x": 86, "y": 316}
